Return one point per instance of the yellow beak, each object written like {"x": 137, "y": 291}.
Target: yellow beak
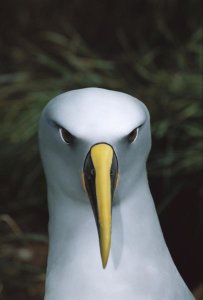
{"x": 100, "y": 180}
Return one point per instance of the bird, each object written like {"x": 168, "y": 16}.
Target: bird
{"x": 105, "y": 239}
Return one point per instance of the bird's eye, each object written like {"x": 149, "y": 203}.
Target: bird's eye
{"x": 66, "y": 136}
{"x": 132, "y": 135}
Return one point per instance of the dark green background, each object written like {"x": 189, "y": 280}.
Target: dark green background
{"x": 150, "y": 49}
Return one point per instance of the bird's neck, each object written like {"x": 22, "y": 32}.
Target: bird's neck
{"x": 138, "y": 250}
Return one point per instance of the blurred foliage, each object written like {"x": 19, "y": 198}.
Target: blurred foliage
{"x": 160, "y": 63}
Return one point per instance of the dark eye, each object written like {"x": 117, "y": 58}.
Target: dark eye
{"x": 66, "y": 136}
{"x": 132, "y": 135}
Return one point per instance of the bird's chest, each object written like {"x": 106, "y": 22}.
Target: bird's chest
{"x": 90, "y": 283}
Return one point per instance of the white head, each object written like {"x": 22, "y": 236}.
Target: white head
{"x": 91, "y": 135}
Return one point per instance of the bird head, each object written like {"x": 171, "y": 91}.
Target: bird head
{"x": 94, "y": 145}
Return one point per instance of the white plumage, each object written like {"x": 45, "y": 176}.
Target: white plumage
{"x": 139, "y": 264}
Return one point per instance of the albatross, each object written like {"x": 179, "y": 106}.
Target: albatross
{"x": 105, "y": 240}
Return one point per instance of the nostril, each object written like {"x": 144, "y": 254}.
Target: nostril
{"x": 92, "y": 172}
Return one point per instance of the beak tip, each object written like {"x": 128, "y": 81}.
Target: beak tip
{"x": 105, "y": 256}
{"x": 104, "y": 263}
